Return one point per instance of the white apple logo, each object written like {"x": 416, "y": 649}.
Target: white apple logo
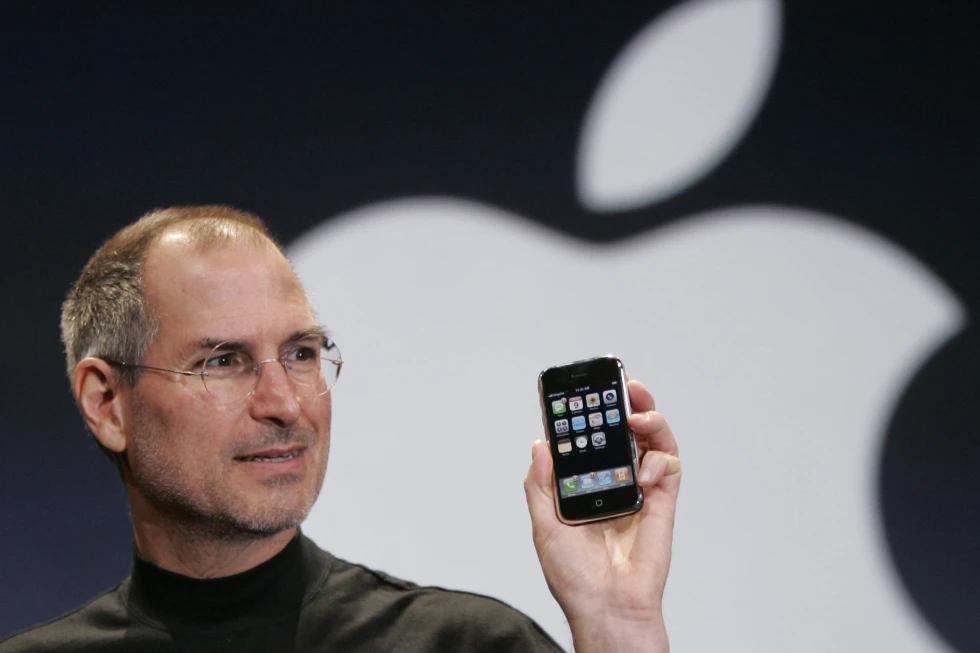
{"x": 776, "y": 340}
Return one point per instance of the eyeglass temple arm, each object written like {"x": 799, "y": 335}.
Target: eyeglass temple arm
{"x": 160, "y": 369}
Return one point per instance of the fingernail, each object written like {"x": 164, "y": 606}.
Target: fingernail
{"x": 534, "y": 449}
{"x": 646, "y": 474}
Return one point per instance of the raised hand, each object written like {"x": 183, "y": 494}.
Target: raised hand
{"x": 609, "y": 576}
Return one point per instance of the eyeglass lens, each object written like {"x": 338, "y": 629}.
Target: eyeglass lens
{"x": 231, "y": 375}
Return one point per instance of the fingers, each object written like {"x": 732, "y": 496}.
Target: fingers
{"x": 651, "y": 429}
{"x": 653, "y": 433}
{"x": 640, "y": 398}
{"x": 660, "y": 478}
{"x": 659, "y": 468}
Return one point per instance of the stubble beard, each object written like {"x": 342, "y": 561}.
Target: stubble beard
{"x": 161, "y": 479}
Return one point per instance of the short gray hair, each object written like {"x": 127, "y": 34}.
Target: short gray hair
{"x": 106, "y": 313}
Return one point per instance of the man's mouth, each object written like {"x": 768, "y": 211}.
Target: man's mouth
{"x": 271, "y": 456}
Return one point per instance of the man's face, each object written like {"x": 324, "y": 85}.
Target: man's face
{"x": 194, "y": 459}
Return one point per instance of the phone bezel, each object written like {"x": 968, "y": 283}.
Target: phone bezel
{"x": 621, "y": 501}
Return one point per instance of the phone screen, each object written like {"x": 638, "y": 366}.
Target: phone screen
{"x": 585, "y": 412}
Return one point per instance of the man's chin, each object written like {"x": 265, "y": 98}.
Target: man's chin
{"x": 272, "y": 517}
{"x": 252, "y": 526}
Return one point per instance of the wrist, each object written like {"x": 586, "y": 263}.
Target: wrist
{"x": 606, "y": 634}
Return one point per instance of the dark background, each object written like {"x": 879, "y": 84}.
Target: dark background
{"x": 873, "y": 115}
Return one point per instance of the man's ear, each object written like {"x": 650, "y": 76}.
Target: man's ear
{"x": 97, "y": 392}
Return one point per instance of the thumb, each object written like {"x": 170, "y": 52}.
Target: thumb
{"x": 538, "y": 487}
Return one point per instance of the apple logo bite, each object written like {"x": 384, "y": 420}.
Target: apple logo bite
{"x": 776, "y": 339}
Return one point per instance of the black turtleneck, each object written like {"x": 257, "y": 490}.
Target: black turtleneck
{"x": 302, "y": 599}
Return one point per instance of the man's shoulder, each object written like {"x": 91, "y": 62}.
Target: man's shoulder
{"x": 420, "y": 617}
{"x": 89, "y": 627}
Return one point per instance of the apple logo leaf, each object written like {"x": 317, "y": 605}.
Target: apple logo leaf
{"x": 676, "y": 101}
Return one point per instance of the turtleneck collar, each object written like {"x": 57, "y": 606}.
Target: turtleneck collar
{"x": 276, "y": 588}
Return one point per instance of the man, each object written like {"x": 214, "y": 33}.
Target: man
{"x": 198, "y": 367}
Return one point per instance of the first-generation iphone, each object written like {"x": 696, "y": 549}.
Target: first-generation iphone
{"x": 585, "y": 406}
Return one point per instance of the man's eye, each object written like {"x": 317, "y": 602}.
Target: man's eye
{"x": 230, "y": 359}
{"x": 301, "y": 354}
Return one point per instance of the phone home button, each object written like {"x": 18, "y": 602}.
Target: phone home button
{"x": 598, "y": 503}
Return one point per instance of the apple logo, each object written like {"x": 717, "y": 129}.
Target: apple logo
{"x": 776, "y": 339}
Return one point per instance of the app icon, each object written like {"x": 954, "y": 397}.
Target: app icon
{"x": 592, "y": 400}
{"x": 569, "y": 484}
{"x": 564, "y": 446}
{"x": 598, "y": 439}
{"x": 612, "y": 416}
{"x": 581, "y": 441}
{"x": 578, "y": 422}
{"x": 574, "y": 403}
{"x": 622, "y": 474}
{"x": 609, "y": 396}
{"x": 587, "y": 480}
{"x": 558, "y": 407}
{"x": 595, "y": 419}
{"x": 604, "y": 478}
{"x": 561, "y": 426}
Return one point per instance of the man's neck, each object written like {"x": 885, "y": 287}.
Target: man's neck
{"x": 198, "y": 551}
{"x": 203, "y": 557}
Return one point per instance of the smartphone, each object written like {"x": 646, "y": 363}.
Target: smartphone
{"x": 585, "y": 406}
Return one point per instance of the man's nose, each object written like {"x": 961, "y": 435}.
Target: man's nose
{"x": 274, "y": 399}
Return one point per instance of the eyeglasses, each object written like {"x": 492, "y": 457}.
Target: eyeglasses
{"x": 230, "y": 375}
